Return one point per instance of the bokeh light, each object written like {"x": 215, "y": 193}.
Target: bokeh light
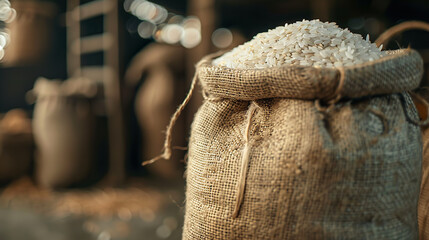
{"x": 162, "y": 26}
{"x": 191, "y": 37}
{"x": 7, "y": 15}
{"x": 161, "y": 14}
{"x": 146, "y": 29}
{"x": 172, "y": 33}
{"x": 192, "y": 22}
{"x": 222, "y": 38}
{"x": 175, "y": 19}
{"x": 146, "y": 11}
{"x": 127, "y": 5}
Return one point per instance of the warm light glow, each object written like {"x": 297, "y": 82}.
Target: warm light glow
{"x": 157, "y": 34}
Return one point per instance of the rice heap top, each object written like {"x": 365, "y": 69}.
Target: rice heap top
{"x": 305, "y": 43}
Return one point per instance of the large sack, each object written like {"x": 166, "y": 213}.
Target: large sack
{"x": 269, "y": 160}
{"x": 64, "y": 131}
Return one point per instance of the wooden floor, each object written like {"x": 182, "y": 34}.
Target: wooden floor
{"x": 136, "y": 211}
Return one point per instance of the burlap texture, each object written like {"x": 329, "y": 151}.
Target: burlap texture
{"x": 424, "y": 191}
{"x": 351, "y": 171}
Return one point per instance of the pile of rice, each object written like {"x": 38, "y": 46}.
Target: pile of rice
{"x": 305, "y": 43}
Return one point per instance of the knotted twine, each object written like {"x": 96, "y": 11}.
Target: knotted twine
{"x": 166, "y": 154}
{"x": 168, "y": 136}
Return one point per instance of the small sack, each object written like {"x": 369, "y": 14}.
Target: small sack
{"x": 268, "y": 159}
{"x": 16, "y": 145}
{"x": 63, "y": 131}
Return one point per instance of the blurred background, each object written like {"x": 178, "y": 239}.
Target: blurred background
{"x": 87, "y": 88}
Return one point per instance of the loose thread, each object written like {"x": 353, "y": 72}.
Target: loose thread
{"x": 245, "y": 159}
{"x": 168, "y": 136}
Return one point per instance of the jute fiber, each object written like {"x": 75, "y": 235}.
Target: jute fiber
{"x": 306, "y": 153}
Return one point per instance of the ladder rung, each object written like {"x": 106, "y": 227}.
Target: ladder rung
{"x": 94, "y": 8}
{"x": 96, "y": 73}
{"x": 92, "y": 44}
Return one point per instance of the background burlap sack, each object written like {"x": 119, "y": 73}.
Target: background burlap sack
{"x": 16, "y": 145}
{"x": 345, "y": 171}
{"x": 64, "y": 126}
{"x": 160, "y": 68}
{"x": 31, "y": 32}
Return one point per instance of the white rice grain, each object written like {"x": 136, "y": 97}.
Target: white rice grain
{"x": 306, "y": 43}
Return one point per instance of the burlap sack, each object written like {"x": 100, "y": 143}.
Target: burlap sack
{"x": 268, "y": 160}
{"x": 421, "y": 101}
{"x": 160, "y": 68}
{"x": 64, "y": 128}
{"x": 30, "y": 32}
{"x": 16, "y": 145}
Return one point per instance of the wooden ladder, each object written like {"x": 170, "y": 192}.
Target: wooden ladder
{"x": 106, "y": 74}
